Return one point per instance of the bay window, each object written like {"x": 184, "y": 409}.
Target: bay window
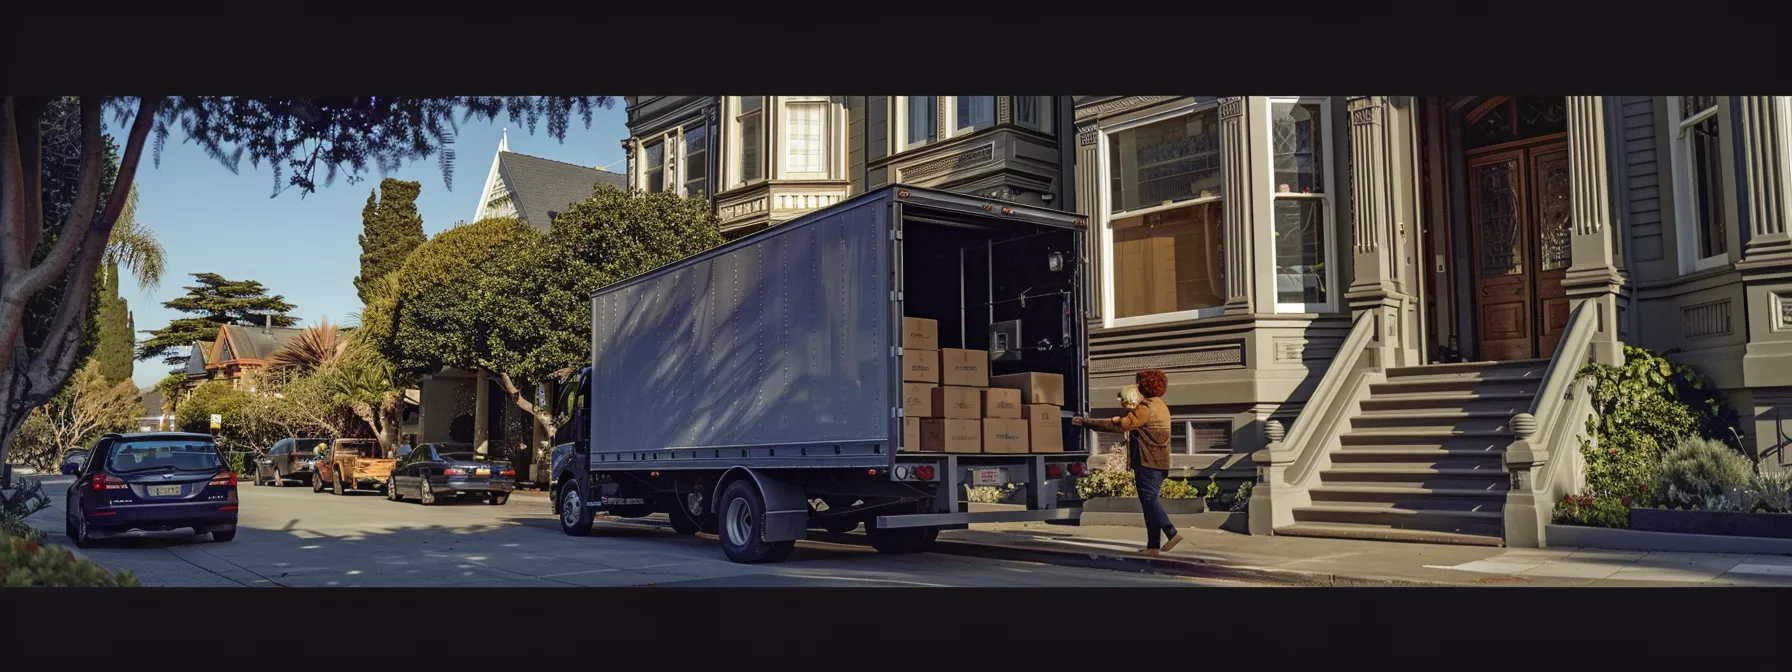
{"x": 654, "y": 177}
{"x": 1699, "y": 186}
{"x": 806, "y": 138}
{"x": 1165, "y": 218}
{"x": 696, "y": 162}
{"x": 1033, "y": 112}
{"x": 1301, "y": 204}
{"x": 917, "y": 120}
{"x": 749, "y": 127}
{"x": 972, "y": 112}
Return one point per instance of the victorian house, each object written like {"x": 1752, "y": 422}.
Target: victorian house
{"x": 1374, "y": 307}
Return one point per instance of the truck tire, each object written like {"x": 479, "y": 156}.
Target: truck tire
{"x": 575, "y": 517}
{"x": 682, "y": 523}
{"x": 901, "y": 540}
{"x": 742, "y": 527}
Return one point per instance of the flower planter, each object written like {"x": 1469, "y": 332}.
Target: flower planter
{"x": 1719, "y": 523}
{"x": 1184, "y": 513}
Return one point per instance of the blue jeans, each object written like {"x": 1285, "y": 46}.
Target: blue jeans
{"x": 1149, "y": 481}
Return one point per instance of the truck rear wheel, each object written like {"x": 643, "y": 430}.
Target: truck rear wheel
{"x": 689, "y": 517}
{"x": 575, "y": 517}
{"x": 901, "y": 540}
{"x": 742, "y": 526}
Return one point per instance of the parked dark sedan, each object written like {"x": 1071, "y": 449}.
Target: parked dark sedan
{"x": 152, "y": 481}
{"x": 72, "y": 461}
{"x": 433, "y": 471}
{"x": 289, "y": 459}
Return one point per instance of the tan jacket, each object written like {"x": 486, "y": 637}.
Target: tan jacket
{"x": 1151, "y": 440}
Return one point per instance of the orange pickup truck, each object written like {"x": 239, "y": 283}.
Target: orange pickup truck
{"x": 351, "y": 464}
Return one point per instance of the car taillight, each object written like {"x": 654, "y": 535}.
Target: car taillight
{"x": 225, "y": 478}
{"x": 507, "y": 472}
{"x": 924, "y": 472}
{"x": 1078, "y": 469}
{"x": 107, "y": 482}
{"x": 1053, "y": 471}
{"x": 454, "y": 472}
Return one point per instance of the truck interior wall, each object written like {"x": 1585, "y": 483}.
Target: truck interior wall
{"x": 969, "y": 278}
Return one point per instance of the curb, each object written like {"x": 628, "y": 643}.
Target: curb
{"x": 1192, "y": 568}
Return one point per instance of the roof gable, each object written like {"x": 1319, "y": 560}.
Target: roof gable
{"x": 541, "y": 186}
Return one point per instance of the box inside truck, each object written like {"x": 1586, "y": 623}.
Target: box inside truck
{"x": 1007, "y": 291}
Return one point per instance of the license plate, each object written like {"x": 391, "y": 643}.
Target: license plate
{"x": 482, "y": 472}
{"x": 984, "y": 477}
{"x": 164, "y": 491}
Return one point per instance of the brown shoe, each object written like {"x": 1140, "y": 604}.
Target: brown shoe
{"x": 1172, "y": 543}
{"x": 1148, "y": 551}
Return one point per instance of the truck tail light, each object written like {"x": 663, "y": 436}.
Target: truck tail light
{"x": 1078, "y": 469}
{"x": 1054, "y": 471}
{"x": 924, "y": 472}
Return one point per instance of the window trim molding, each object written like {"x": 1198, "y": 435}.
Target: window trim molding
{"x": 900, "y": 119}
{"x": 1105, "y": 218}
{"x": 684, "y": 157}
{"x": 735, "y": 143}
{"x": 1686, "y": 218}
{"x": 1266, "y": 176}
{"x": 829, "y": 130}
{"x": 948, "y": 124}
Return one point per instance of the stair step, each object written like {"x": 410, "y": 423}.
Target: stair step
{"x": 1526, "y": 365}
{"x": 1378, "y": 533}
{"x": 1424, "y": 499}
{"x": 1407, "y": 435}
{"x": 1490, "y": 477}
{"x": 1457, "y": 522}
{"x": 1438, "y": 422}
{"x": 1455, "y": 384}
{"x": 1506, "y": 403}
{"x": 1492, "y": 441}
{"x": 1433, "y": 457}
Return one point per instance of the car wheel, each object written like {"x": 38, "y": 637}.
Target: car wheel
{"x": 742, "y": 526}
{"x": 275, "y": 480}
{"x": 575, "y": 517}
{"x": 317, "y": 484}
{"x": 83, "y": 535}
{"x": 336, "y": 486}
{"x": 428, "y": 495}
{"x": 392, "y": 491}
{"x": 224, "y": 535}
{"x": 68, "y": 525}
{"x": 497, "y": 500}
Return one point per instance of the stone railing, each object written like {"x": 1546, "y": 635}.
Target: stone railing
{"x": 1291, "y": 463}
{"x": 1544, "y": 460}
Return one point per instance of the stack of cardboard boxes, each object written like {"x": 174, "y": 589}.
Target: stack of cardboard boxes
{"x": 952, "y": 405}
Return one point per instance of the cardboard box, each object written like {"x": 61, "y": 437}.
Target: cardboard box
{"x": 957, "y": 403}
{"x": 1035, "y": 388}
{"x": 951, "y": 436}
{"x": 964, "y": 368}
{"x": 911, "y": 433}
{"x": 921, "y": 366}
{"x": 919, "y": 333}
{"x": 917, "y": 400}
{"x": 999, "y": 403}
{"x": 1004, "y": 435}
{"x": 1045, "y": 428}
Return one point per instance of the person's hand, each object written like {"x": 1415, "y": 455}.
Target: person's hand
{"x": 1076, "y": 421}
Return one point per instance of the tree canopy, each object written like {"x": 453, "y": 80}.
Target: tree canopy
{"x": 390, "y": 229}
{"x": 215, "y": 301}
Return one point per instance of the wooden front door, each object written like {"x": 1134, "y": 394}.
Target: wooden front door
{"x": 1519, "y": 211}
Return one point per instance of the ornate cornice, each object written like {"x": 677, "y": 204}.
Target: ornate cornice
{"x": 1118, "y": 105}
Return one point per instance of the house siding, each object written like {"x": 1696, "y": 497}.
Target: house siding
{"x": 1642, "y": 179}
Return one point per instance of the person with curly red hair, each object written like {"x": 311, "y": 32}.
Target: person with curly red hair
{"x": 1147, "y": 426}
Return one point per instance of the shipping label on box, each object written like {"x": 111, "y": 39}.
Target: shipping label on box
{"x": 911, "y": 433}
{"x": 1045, "y": 427}
{"x": 958, "y": 403}
{"x": 919, "y": 333}
{"x": 951, "y": 436}
{"x": 1035, "y": 388}
{"x": 999, "y": 403}
{"x": 917, "y": 400}
{"x": 964, "y": 368}
{"x": 921, "y": 366}
{"x": 1004, "y": 435}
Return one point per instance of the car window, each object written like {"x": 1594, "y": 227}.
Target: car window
{"x": 164, "y": 454}
{"x": 281, "y": 446}
{"x": 404, "y": 452}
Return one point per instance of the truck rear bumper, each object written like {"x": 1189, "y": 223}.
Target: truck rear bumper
{"x": 949, "y": 519}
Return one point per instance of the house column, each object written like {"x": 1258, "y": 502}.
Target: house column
{"x": 1766, "y": 269}
{"x": 1381, "y": 212}
{"x": 482, "y": 406}
{"x": 1239, "y": 202}
{"x": 628, "y": 152}
{"x": 1765, "y": 164}
{"x": 1594, "y": 275}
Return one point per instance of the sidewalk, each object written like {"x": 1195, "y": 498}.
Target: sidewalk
{"x": 1303, "y": 561}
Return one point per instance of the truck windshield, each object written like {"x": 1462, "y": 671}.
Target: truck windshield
{"x": 175, "y": 454}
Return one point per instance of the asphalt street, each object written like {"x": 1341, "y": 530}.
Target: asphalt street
{"x": 292, "y": 537}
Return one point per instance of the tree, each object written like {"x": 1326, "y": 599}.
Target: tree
{"x": 319, "y": 346}
{"x": 117, "y": 348}
{"x": 390, "y": 229}
{"x": 434, "y": 325}
{"x": 55, "y": 256}
{"x": 91, "y": 406}
{"x": 217, "y": 302}
{"x": 370, "y": 386}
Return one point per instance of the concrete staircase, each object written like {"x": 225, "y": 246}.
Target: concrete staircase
{"x": 1423, "y": 461}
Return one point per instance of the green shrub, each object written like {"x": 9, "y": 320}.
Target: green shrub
{"x": 988, "y": 494}
{"x": 1175, "y": 489}
{"x": 1213, "y": 488}
{"x": 1591, "y": 511}
{"x": 1106, "y": 483}
{"x": 1639, "y": 411}
{"x": 27, "y": 498}
{"x": 1242, "y": 498}
{"x": 26, "y": 563}
{"x": 1706, "y": 474}
{"x": 1773, "y": 492}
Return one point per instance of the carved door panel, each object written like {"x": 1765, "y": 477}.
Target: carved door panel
{"x": 1553, "y": 241}
{"x": 1500, "y": 227}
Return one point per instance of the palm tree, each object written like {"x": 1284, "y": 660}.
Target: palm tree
{"x": 368, "y": 384}
{"x": 317, "y": 347}
{"x": 134, "y": 246}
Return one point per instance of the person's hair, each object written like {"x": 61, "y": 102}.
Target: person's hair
{"x": 1130, "y": 397}
{"x": 1152, "y": 383}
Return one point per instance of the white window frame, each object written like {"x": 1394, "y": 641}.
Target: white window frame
{"x": 903, "y": 142}
{"x": 1044, "y": 123}
{"x": 663, "y": 141}
{"x": 1104, "y": 200}
{"x": 1266, "y": 158}
{"x": 829, "y": 130}
{"x": 709, "y": 147}
{"x": 736, "y": 143}
{"x": 948, "y": 124}
{"x": 1686, "y": 216}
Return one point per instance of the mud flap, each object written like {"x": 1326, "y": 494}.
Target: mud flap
{"x": 786, "y": 507}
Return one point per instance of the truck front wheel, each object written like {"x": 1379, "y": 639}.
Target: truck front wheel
{"x": 901, "y": 540}
{"x": 575, "y": 517}
{"x": 742, "y": 526}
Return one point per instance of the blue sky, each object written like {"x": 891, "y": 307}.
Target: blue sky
{"x": 306, "y": 250}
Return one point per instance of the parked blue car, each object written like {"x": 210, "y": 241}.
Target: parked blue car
{"x": 152, "y": 481}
